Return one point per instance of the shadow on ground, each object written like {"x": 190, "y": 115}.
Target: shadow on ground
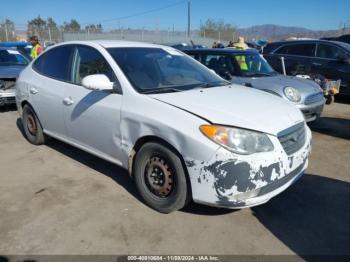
{"x": 7, "y": 108}
{"x": 312, "y": 217}
{"x": 118, "y": 174}
{"x": 341, "y": 99}
{"x": 336, "y": 127}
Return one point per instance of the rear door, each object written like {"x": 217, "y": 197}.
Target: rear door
{"x": 93, "y": 117}
{"x": 297, "y": 58}
{"x": 48, "y": 86}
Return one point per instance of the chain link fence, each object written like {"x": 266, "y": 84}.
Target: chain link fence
{"x": 161, "y": 37}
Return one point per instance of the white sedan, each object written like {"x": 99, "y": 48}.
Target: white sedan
{"x": 183, "y": 132}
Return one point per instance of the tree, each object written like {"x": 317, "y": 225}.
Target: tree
{"x": 37, "y": 27}
{"x": 218, "y": 30}
{"x": 53, "y": 30}
{"x": 71, "y": 27}
{"x": 7, "y": 31}
{"x": 94, "y": 28}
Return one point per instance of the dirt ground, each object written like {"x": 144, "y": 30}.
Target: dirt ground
{"x": 55, "y": 199}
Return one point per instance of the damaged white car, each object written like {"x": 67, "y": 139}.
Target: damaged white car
{"x": 182, "y": 131}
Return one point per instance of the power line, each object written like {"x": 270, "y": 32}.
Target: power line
{"x": 137, "y": 14}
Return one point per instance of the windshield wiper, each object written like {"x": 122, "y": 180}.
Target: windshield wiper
{"x": 160, "y": 90}
{"x": 258, "y": 74}
{"x": 213, "y": 84}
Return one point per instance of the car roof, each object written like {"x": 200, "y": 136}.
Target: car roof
{"x": 302, "y": 41}
{"x": 115, "y": 43}
{"x": 7, "y": 48}
{"x": 14, "y": 44}
{"x": 221, "y": 51}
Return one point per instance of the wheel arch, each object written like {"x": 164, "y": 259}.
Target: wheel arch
{"x": 155, "y": 139}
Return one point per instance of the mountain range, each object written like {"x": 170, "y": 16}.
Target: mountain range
{"x": 277, "y": 32}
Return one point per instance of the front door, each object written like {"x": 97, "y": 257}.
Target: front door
{"x": 93, "y": 117}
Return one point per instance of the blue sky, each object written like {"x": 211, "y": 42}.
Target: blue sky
{"x": 312, "y": 14}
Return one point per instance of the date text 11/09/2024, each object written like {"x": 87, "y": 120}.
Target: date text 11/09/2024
{"x": 173, "y": 258}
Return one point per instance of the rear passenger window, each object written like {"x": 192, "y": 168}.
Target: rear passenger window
{"x": 55, "y": 63}
{"x": 88, "y": 61}
{"x": 328, "y": 51}
{"x": 298, "y": 49}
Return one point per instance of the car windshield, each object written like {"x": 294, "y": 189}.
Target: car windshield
{"x": 11, "y": 57}
{"x": 156, "y": 70}
{"x": 344, "y": 45}
{"x": 253, "y": 65}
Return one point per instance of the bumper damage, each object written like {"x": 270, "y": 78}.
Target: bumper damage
{"x": 239, "y": 181}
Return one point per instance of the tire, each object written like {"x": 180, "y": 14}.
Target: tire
{"x": 168, "y": 189}
{"x": 32, "y": 127}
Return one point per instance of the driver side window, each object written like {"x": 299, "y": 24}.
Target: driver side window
{"x": 88, "y": 61}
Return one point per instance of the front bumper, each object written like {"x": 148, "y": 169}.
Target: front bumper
{"x": 313, "y": 111}
{"x": 239, "y": 181}
{"x": 7, "y": 99}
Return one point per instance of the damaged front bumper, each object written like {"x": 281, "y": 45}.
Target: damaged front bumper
{"x": 7, "y": 97}
{"x": 238, "y": 181}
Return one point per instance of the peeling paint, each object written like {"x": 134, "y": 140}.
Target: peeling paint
{"x": 231, "y": 177}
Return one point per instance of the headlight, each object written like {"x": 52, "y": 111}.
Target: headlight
{"x": 238, "y": 140}
{"x": 292, "y": 94}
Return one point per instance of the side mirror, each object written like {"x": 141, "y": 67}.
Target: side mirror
{"x": 97, "y": 82}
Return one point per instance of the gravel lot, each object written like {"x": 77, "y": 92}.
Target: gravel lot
{"x": 56, "y": 199}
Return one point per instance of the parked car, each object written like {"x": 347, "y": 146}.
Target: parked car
{"x": 11, "y": 64}
{"x": 181, "y": 130}
{"x": 48, "y": 44}
{"x": 249, "y": 68}
{"x": 342, "y": 38}
{"x": 181, "y": 46}
{"x": 22, "y": 47}
{"x": 330, "y": 59}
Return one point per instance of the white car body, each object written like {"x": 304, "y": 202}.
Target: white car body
{"x": 110, "y": 126}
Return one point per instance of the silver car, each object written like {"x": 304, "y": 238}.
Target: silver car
{"x": 249, "y": 68}
{"x": 11, "y": 64}
{"x": 166, "y": 118}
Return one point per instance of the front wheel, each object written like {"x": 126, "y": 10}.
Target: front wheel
{"x": 160, "y": 178}
{"x": 32, "y": 127}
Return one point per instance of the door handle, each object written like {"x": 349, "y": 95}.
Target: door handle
{"x": 33, "y": 90}
{"x": 316, "y": 64}
{"x": 68, "y": 101}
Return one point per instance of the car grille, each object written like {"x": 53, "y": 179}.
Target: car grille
{"x": 313, "y": 98}
{"x": 293, "y": 138}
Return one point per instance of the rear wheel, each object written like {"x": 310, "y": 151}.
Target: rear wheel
{"x": 32, "y": 127}
{"x": 160, "y": 178}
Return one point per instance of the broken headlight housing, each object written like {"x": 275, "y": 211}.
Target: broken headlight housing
{"x": 237, "y": 140}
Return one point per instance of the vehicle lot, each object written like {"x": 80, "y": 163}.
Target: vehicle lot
{"x": 56, "y": 199}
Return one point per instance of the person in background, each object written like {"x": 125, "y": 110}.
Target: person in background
{"x": 214, "y": 45}
{"x": 37, "y": 48}
{"x": 240, "y": 44}
{"x": 230, "y": 44}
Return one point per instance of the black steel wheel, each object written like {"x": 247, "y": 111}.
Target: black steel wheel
{"x": 160, "y": 178}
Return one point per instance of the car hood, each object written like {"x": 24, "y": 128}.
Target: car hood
{"x": 237, "y": 106}
{"x": 10, "y": 71}
{"x": 277, "y": 84}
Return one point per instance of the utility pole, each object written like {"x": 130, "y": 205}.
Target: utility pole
{"x": 49, "y": 33}
{"x": 6, "y": 32}
{"x": 188, "y": 19}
